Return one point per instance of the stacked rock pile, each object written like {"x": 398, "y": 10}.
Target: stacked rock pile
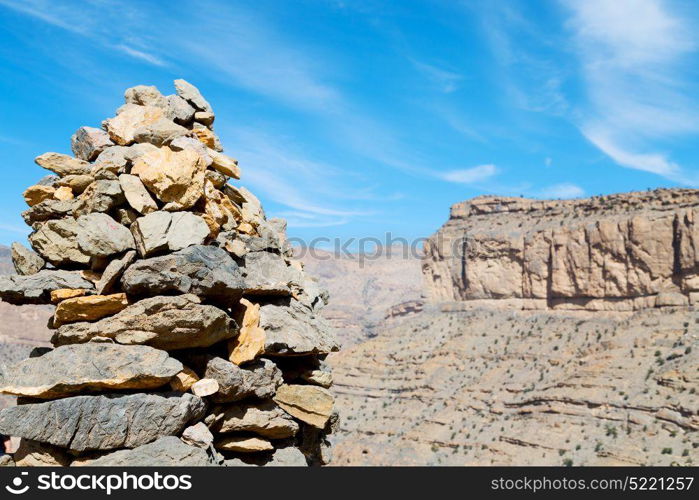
{"x": 184, "y": 333}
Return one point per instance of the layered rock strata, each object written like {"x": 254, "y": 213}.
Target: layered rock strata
{"x": 619, "y": 253}
{"x": 184, "y": 331}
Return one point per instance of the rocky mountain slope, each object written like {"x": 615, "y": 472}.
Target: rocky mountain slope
{"x": 363, "y": 291}
{"x": 484, "y": 386}
{"x": 558, "y": 332}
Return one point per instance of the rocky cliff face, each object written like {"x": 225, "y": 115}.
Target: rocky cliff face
{"x": 620, "y": 252}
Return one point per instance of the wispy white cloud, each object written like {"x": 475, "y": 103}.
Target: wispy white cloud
{"x": 563, "y": 190}
{"x": 634, "y": 57}
{"x": 139, "y": 54}
{"x": 237, "y": 46}
{"x": 471, "y": 175}
{"x": 316, "y": 192}
{"x": 447, "y": 81}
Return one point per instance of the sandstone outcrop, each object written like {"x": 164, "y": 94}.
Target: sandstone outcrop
{"x": 155, "y": 264}
{"x": 618, "y": 252}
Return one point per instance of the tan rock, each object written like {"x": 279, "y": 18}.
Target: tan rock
{"x": 66, "y": 293}
{"x": 206, "y": 136}
{"x": 308, "y": 403}
{"x": 235, "y": 247}
{"x": 204, "y": 117}
{"x": 250, "y": 343}
{"x": 63, "y": 165}
{"x": 136, "y": 194}
{"x": 89, "y": 308}
{"x": 175, "y": 177}
{"x": 264, "y": 418}
{"x": 204, "y": 387}
{"x": 35, "y": 454}
{"x": 184, "y": 380}
{"x": 224, "y": 164}
{"x": 219, "y": 212}
{"x": 64, "y": 193}
{"x": 671, "y": 299}
{"x": 36, "y": 194}
{"x": 76, "y": 183}
{"x": 131, "y": 117}
{"x": 243, "y": 444}
{"x": 90, "y": 275}
{"x": 246, "y": 228}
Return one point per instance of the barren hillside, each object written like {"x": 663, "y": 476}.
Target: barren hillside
{"x": 362, "y": 291}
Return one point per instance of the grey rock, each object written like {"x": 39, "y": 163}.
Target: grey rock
{"x": 203, "y": 270}
{"x": 287, "y": 457}
{"x": 37, "y": 288}
{"x": 258, "y": 379}
{"x": 48, "y": 210}
{"x": 104, "y": 422}
{"x": 48, "y": 180}
{"x": 198, "y": 435}
{"x": 179, "y": 110}
{"x": 292, "y": 328}
{"x": 191, "y": 94}
{"x": 267, "y": 273}
{"x": 162, "y": 231}
{"x": 136, "y": 194}
{"x": 25, "y": 261}
{"x": 101, "y": 236}
{"x": 264, "y": 418}
{"x": 63, "y": 164}
{"x": 145, "y": 95}
{"x": 119, "y": 158}
{"x": 113, "y": 272}
{"x": 167, "y": 451}
{"x": 163, "y": 322}
{"x": 71, "y": 369}
{"x": 100, "y": 196}
{"x": 310, "y": 293}
{"x": 160, "y": 132}
{"x": 57, "y": 242}
{"x": 88, "y": 142}
{"x": 314, "y": 442}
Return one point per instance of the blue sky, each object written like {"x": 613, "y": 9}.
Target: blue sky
{"x": 357, "y": 118}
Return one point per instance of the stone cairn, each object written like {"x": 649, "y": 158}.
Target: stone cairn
{"x": 184, "y": 332}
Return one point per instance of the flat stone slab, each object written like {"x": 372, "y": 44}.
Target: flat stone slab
{"x": 292, "y": 328}
{"x": 105, "y": 422}
{"x": 258, "y": 379}
{"x": 308, "y": 403}
{"x": 71, "y": 369}
{"x": 206, "y": 271}
{"x": 163, "y": 322}
{"x": 37, "y": 288}
{"x": 167, "y": 451}
{"x": 264, "y": 418}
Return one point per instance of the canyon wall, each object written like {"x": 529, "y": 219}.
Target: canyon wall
{"x": 621, "y": 252}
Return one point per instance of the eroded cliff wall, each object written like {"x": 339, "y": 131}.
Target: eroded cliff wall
{"x": 621, "y": 252}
